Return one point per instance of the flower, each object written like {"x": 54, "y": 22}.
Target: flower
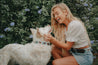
{"x": 85, "y": 4}
{"x": 81, "y": 0}
{"x": 91, "y": 5}
{"x": 92, "y": 41}
{"x": 7, "y": 29}
{"x": 27, "y": 9}
{"x": 12, "y": 24}
{"x": 92, "y": 28}
{"x": 31, "y": 36}
{"x": 96, "y": 18}
{"x": 1, "y": 36}
{"x": 39, "y": 11}
{"x": 37, "y": 6}
{"x": 89, "y": 9}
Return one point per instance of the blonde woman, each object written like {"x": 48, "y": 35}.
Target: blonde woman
{"x": 71, "y": 45}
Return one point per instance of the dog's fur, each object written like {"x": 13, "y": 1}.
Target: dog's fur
{"x": 28, "y": 54}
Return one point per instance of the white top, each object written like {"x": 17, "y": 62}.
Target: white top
{"x": 76, "y": 33}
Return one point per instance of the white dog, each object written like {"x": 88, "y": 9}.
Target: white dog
{"x": 36, "y": 53}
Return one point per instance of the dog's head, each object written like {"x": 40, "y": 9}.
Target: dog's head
{"x": 44, "y": 30}
{"x": 39, "y": 32}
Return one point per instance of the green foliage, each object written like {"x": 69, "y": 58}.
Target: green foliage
{"x": 18, "y": 16}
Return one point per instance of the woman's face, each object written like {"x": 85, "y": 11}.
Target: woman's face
{"x": 59, "y": 15}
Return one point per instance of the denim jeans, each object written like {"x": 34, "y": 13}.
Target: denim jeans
{"x": 85, "y": 58}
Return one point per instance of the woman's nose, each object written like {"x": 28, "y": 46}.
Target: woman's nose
{"x": 55, "y": 16}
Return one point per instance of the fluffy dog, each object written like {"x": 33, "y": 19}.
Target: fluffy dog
{"x": 36, "y": 53}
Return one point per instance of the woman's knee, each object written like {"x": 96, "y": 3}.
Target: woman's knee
{"x": 70, "y": 60}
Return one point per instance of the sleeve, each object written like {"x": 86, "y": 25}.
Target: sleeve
{"x": 74, "y": 31}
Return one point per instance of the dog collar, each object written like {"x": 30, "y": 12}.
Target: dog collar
{"x": 42, "y": 42}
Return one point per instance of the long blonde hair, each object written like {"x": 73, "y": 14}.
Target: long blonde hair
{"x": 59, "y": 29}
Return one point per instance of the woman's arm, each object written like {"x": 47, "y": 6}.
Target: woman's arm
{"x": 66, "y": 46}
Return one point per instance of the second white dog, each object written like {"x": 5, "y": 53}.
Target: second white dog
{"x": 36, "y": 53}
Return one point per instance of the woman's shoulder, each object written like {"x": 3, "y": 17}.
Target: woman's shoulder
{"x": 75, "y": 23}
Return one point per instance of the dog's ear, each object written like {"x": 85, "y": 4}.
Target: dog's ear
{"x": 38, "y": 30}
{"x": 32, "y": 30}
{"x": 38, "y": 33}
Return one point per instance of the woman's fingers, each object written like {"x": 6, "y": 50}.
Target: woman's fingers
{"x": 47, "y": 37}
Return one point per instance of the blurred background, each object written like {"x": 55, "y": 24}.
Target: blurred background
{"x": 18, "y": 16}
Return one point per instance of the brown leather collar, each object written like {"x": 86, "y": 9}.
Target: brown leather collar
{"x": 83, "y": 47}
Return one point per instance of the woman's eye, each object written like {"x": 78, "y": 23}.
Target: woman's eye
{"x": 56, "y": 14}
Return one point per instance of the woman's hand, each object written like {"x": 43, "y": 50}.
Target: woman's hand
{"x": 48, "y": 37}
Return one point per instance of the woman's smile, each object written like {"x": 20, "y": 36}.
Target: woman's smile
{"x": 58, "y": 20}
